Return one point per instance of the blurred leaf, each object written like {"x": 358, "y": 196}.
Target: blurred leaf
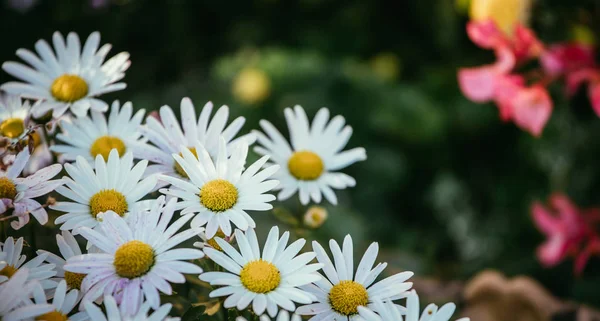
{"x": 285, "y": 216}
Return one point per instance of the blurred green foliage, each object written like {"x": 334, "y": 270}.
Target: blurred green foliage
{"x": 447, "y": 186}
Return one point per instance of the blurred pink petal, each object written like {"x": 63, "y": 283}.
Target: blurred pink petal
{"x": 594, "y": 96}
{"x": 531, "y": 109}
{"x": 507, "y": 87}
{"x": 486, "y": 34}
{"x": 525, "y": 44}
{"x": 565, "y": 58}
{"x": 479, "y": 84}
{"x": 591, "y": 248}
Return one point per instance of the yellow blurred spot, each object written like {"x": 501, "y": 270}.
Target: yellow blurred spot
{"x": 506, "y": 13}
{"x": 462, "y": 6}
{"x": 251, "y": 86}
{"x": 583, "y": 35}
{"x": 386, "y": 66}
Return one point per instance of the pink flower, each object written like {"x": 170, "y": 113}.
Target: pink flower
{"x": 479, "y": 84}
{"x": 566, "y": 58}
{"x": 523, "y": 44}
{"x": 531, "y": 109}
{"x": 564, "y": 228}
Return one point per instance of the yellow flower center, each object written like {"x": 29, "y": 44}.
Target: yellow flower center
{"x": 178, "y": 167}
{"x": 103, "y": 145}
{"x": 8, "y": 271}
{"x": 53, "y": 316}
{"x": 346, "y": 296}
{"x": 260, "y": 276}
{"x": 108, "y": 200}
{"x": 12, "y": 127}
{"x": 8, "y": 189}
{"x": 213, "y": 243}
{"x": 218, "y": 195}
{"x": 133, "y": 259}
{"x": 74, "y": 279}
{"x": 305, "y": 165}
{"x": 69, "y": 88}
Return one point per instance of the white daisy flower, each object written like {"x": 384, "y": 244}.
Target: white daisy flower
{"x": 221, "y": 192}
{"x": 63, "y": 303}
{"x": 71, "y": 78}
{"x": 92, "y": 136}
{"x": 138, "y": 259}
{"x": 340, "y": 295}
{"x": 112, "y": 185}
{"x": 113, "y": 313}
{"x": 15, "y": 304}
{"x": 68, "y": 247}
{"x": 310, "y": 164}
{"x": 167, "y": 135}
{"x": 389, "y": 312}
{"x": 37, "y": 269}
{"x": 14, "y": 116}
{"x": 211, "y": 242}
{"x": 19, "y": 193}
{"x": 268, "y": 281}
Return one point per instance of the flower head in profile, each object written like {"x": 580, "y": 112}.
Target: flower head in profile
{"x": 37, "y": 270}
{"x": 388, "y": 311}
{"x": 92, "y": 136}
{"x": 212, "y": 242}
{"x": 219, "y": 193}
{"x": 309, "y": 165}
{"x": 14, "y": 116}
{"x": 342, "y": 292}
{"x": 68, "y": 247}
{"x": 114, "y": 185}
{"x": 19, "y": 193}
{"x": 63, "y": 303}
{"x": 68, "y": 78}
{"x": 16, "y": 304}
{"x": 269, "y": 281}
{"x": 168, "y": 136}
{"x": 137, "y": 258}
{"x": 315, "y": 216}
{"x": 114, "y": 314}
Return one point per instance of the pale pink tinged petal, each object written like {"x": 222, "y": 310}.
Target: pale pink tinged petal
{"x": 485, "y": 34}
{"x": 544, "y": 220}
{"x": 553, "y": 250}
{"x": 477, "y": 84}
{"x": 507, "y": 86}
{"x": 594, "y": 96}
{"x": 532, "y": 109}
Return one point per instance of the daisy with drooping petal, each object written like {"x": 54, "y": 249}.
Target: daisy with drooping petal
{"x": 15, "y": 304}
{"x": 169, "y": 136}
{"x": 68, "y": 247}
{"x": 114, "y": 314}
{"x": 37, "y": 270}
{"x": 221, "y": 192}
{"x": 112, "y": 185}
{"x": 340, "y": 295}
{"x": 18, "y": 193}
{"x": 92, "y": 136}
{"x": 266, "y": 281}
{"x": 389, "y": 312}
{"x": 63, "y": 303}
{"x": 14, "y": 116}
{"x": 138, "y": 259}
{"x": 71, "y": 78}
{"x": 309, "y": 166}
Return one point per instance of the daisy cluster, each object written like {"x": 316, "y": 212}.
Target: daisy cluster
{"x": 134, "y": 191}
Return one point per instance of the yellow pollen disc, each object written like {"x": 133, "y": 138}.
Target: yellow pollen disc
{"x": 69, "y": 88}
{"x": 8, "y": 271}
{"x": 133, "y": 259}
{"x": 74, "y": 280}
{"x": 53, "y": 316}
{"x": 218, "y": 195}
{"x": 178, "y": 167}
{"x": 103, "y": 145}
{"x": 346, "y": 296}
{"x": 213, "y": 243}
{"x": 305, "y": 165}
{"x": 8, "y": 189}
{"x": 260, "y": 276}
{"x": 108, "y": 200}
{"x": 12, "y": 127}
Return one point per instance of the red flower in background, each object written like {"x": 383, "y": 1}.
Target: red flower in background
{"x": 570, "y": 231}
{"x": 528, "y": 107}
